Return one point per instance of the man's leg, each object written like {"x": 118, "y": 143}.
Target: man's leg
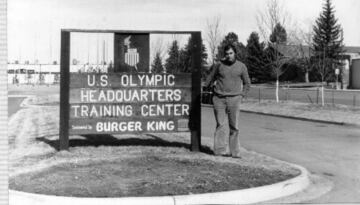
{"x": 220, "y": 136}
{"x": 234, "y": 117}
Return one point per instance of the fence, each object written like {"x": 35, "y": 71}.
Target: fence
{"x": 310, "y": 95}
{"x": 36, "y": 78}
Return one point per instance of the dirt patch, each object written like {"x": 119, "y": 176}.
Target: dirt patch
{"x": 145, "y": 176}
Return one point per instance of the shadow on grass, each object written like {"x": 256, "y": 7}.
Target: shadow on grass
{"x": 109, "y": 140}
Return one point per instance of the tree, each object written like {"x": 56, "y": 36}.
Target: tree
{"x": 172, "y": 63}
{"x": 213, "y": 35}
{"x": 186, "y": 56}
{"x": 304, "y": 61}
{"x": 278, "y": 34}
{"x": 271, "y": 23}
{"x": 156, "y": 66}
{"x": 232, "y": 38}
{"x": 327, "y": 42}
{"x": 255, "y": 59}
{"x": 302, "y": 38}
{"x": 158, "y": 47}
{"x": 110, "y": 68}
{"x": 273, "y": 14}
{"x": 276, "y": 60}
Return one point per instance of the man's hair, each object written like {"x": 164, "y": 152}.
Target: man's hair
{"x": 230, "y": 46}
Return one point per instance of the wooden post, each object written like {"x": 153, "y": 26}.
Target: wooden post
{"x": 64, "y": 90}
{"x": 118, "y": 51}
{"x": 195, "y": 112}
{"x": 317, "y": 96}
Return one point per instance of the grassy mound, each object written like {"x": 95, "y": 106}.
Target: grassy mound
{"x": 124, "y": 165}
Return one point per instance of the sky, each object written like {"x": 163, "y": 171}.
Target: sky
{"x": 34, "y": 26}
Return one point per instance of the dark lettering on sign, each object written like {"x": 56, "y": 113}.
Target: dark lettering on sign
{"x": 129, "y": 103}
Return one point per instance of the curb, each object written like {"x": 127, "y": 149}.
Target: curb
{"x": 251, "y": 195}
{"x": 295, "y": 118}
{"x": 244, "y": 196}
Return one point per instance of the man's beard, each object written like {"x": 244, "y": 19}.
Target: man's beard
{"x": 227, "y": 61}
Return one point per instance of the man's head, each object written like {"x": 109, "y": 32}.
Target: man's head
{"x": 230, "y": 53}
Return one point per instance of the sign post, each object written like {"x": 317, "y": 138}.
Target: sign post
{"x": 337, "y": 73}
{"x": 64, "y": 90}
{"x": 195, "y": 118}
{"x": 130, "y": 100}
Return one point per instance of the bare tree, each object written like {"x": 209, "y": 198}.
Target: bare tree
{"x": 301, "y": 37}
{"x": 324, "y": 67}
{"x": 307, "y": 36}
{"x": 158, "y": 47}
{"x": 213, "y": 35}
{"x": 273, "y": 15}
{"x": 276, "y": 61}
{"x": 179, "y": 38}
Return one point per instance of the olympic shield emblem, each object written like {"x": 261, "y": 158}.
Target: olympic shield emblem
{"x": 131, "y": 55}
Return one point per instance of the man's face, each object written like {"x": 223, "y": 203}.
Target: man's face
{"x": 230, "y": 55}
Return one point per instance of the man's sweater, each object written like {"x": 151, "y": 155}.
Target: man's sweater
{"x": 229, "y": 79}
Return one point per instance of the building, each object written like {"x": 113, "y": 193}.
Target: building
{"x": 303, "y": 51}
{"x": 45, "y": 73}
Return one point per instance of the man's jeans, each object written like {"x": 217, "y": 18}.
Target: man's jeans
{"x": 227, "y": 107}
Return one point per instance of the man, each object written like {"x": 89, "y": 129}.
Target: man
{"x": 229, "y": 76}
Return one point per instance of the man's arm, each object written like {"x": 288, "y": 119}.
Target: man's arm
{"x": 211, "y": 77}
{"x": 246, "y": 79}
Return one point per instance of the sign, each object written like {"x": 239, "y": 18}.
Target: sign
{"x": 129, "y": 103}
{"x": 129, "y": 99}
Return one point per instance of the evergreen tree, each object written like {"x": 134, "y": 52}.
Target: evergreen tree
{"x": 156, "y": 66}
{"x": 172, "y": 63}
{"x": 278, "y": 35}
{"x": 255, "y": 59}
{"x": 232, "y": 38}
{"x": 186, "y": 56}
{"x": 327, "y": 42}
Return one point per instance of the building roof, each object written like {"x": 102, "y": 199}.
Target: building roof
{"x": 352, "y": 49}
{"x": 295, "y": 51}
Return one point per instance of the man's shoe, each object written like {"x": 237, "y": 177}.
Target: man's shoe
{"x": 236, "y": 156}
{"x": 223, "y": 154}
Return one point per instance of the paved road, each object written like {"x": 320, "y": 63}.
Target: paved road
{"x": 329, "y": 150}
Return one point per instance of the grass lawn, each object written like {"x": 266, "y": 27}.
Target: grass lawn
{"x": 337, "y": 113}
{"x": 146, "y": 171}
